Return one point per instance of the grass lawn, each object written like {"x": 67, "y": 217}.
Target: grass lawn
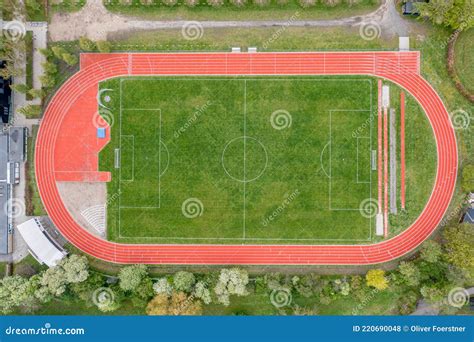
{"x": 273, "y": 11}
{"x": 34, "y": 206}
{"x": 215, "y": 160}
{"x": 214, "y": 145}
{"x": 465, "y": 59}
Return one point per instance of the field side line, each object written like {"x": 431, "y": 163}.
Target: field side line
{"x": 246, "y": 239}
{"x": 245, "y": 158}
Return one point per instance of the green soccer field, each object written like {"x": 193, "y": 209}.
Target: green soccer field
{"x": 240, "y": 160}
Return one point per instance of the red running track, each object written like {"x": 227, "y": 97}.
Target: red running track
{"x": 399, "y": 67}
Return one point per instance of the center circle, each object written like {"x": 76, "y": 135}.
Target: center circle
{"x": 244, "y": 159}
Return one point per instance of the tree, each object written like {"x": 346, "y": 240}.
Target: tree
{"x": 20, "y": 88}
{"x": 162, "y": 286}
{"x": 33, "y": 5}
{"x": 14, "y": 291}
{"x": 76, "y": 268}
{"x": 131, "y": 276}
{"x": 86, "y": 44}
{"x": 202, "y": 292}
{"x": 47, "y": 81}
{"x": 467, "y": 182}
{"x": 178, "y": 304}
{"x": 376, "y": 278}
{"x": 104, "y": 46}
{"x": 231, "y": 282}
{"x": 73, "y": 269}
{"x": 50, "y": 68}
{"x": 431, "y": 251}
{"x": 184, "y": 281}
{"x": 432, "y": 294}
{"x": 456, "y": 14}
{"x": 459, "y": 242}
{"x": 410, "y": 273}
{"x": 70, "y": 59}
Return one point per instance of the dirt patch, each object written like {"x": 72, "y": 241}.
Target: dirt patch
{"x": 79, "y": 197}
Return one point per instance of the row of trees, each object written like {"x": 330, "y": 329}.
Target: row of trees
{"x": 431, "y": 275}
{"x": 237, "y": 3}
{"x": 455, "y": 14}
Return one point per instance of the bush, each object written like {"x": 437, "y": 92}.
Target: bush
{"x": 353, "y": 2}
{"x": 238, "y": 3}
{"x": 467, "y": 182}
{"x": 169, "y": 3}
{"x": 70, "y": 59}
{"x": 215, "y": 3}
{"x": 261, "y": 3}
{"x": 125, "y": 2}
{"x": 86, "y": 44}
{"x": 307, "y": 3}
{"x": 331, "y": 3}
{"x": 20, "y": 88}
{"x": 146, "y": 2}
{"x": 104, "y": 46}
{"x": 191, "y": 3}
{"x": 58, "y": 51}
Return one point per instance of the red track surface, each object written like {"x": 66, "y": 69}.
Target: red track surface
{"x": 399, "y": 67}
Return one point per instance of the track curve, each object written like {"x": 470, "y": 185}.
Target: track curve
{"x": 399, "y": 67}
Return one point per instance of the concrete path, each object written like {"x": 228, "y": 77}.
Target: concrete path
{"x": 96, "y": 22}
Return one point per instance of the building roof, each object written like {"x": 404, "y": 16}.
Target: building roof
{"x": 40, "y": 244}
{"x": 469, "y": 216}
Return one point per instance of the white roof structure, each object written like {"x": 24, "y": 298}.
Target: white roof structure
{"x": 42, "y": 247}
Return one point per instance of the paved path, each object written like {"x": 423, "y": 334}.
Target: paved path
{"x": 96, "y": 22}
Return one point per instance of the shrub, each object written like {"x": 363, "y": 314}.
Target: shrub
{"x": 191, "y": 3}
{"x": 353, "y": 2}
{"x": 146, "y": 2}
{"x": 215, "y": 3}
{"x": 70, "y": 59}
{"x": 376, "y": 278}
{"x": 58, "y": 51}
{"x": 261, "y": 3}
{"x": 86, "y": 44}
{"x": 125, "y": 2}
{"x": 307, "y": 3}
{"x": 238, "y": 3}
{"x": 169, "y": 3}
{"x": 20, "y": 88}
{"x": 104, "y": 46}
{"x": 331, "y": 3}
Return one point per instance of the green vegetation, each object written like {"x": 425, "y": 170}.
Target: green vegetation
{"x": 63, "y": 6}
{"x": 283, "y": 195}
{"x": 29, "y": 61}
{"x": 73, "y": 287}
{"x": 464, "y": 59}
{"x": 34, "y": 206}
{"x": 241, "y": 9}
